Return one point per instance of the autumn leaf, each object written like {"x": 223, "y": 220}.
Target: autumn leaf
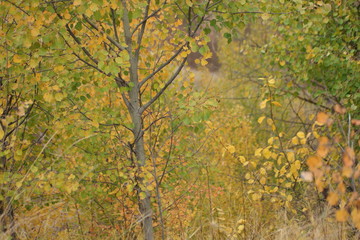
{"x": 342, "y": 215}
{"x": 332, "y": 198}
{"x": 339, "y": 109}
{"x": 348, "y": 157}
{"x": 323, "y": 147}
{"x": 322, "y": 118}
{"x": 77, "y": 2}
{"x": 314, "y": 162}
{"x": 261, "y": 119}
{"x": 231, "y": 149}
{"x": 1, "y": 133}
{"x": 355, "y": 122}
{"x": 265, "y": 16}
{"x": 263, "y": 103}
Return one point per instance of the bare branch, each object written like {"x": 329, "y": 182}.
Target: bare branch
{"x": 168, "y": 83}
{"x": 114, "y": 24}
{"x": 113, "y": 41}
{"x": 142, "y": 30}
{"x": 18, "y": 7}
{"x": 145, "y": 19}
{"x": 163, "y": 65}
{"x": 79, "y": 43}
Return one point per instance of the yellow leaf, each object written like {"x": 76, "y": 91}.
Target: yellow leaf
{"x": 242, "y": 159}
{"x": 58, "y": 96}
{"x": 77, "y": 2}
{"x": 295, "y": 141}
{"x": 256, "y": 196}
{"x": 150, "y": 187}
{"x": 258, "y": 152}
{"x": 1, "y": 133}
{"x": 282, "y": 63}
{"x": 48, "y": 97}
{"x": 183, "y": 54}
{"x": 289, "y": 198}
{"x": 301, "y": 134}
{"x": 113, "y": 192}
{"x": 297, "y": 164}
{"x": 16, "y": 59}
{"x": 18, "y": 184}
{"x": 203, "y": 62}
{"x": 290, "y": 156}
{"x": 263, "y": 103}
{"x": 276, "y": 103}
{"x": 189, "y": 3}
{"x": 94, "y": 7}
{"x": 240, "y": 228}
{"x": 261, "y": 119}
{"x": 59, "y": 68}
{"x": 231, "y": 148}
{"x": 342, "y": 215}
{"x": 263, "y": 180}
{"x": 265, "y": 16}
{"x": 35, "y": 32}
{"x": 266, "y": 153}
{"x": 271, "y": 82}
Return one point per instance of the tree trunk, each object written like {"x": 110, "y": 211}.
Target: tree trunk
{"x": 144, "y": 204}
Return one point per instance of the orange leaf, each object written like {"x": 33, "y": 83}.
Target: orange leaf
{"x": 342, "y": 215}
{"x": 336, "y": 177}
{"x": 332, "y": 198}
{"x": 320, "y": 185}
{"x": 356, "y": 122}
{"x": 347, "y": 171}
{"x": 341, "y": 187}
{"x": 314, "y": 162}
{"x": 322, "y": 118}
{"x": 339, "y": 109}
{"x": 323, "y": 147}
{"x": 348, "y": 157}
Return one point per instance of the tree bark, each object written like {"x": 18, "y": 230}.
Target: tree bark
{"x": 134, "y": 108}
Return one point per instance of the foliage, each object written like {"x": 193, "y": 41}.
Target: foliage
{"x": 105, "y": 129}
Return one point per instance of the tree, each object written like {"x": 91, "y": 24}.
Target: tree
{"x": 133, "y": 44}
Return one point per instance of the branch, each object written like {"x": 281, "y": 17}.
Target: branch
{"x": 114, "y": 24}
{"x": 17, "y": 7}
{"x": 148, "y": 104}
{"x": 252, "y": 12}
{"x": 142, "y": 30}
{"x": 113, "y": 41}
{"x": 145, "y": 19}
{"x": 79, "y": 43}
{"x": 162, "y": 65}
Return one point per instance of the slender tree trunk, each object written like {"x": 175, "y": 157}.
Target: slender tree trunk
{"x": 134, "y": 108}
{"x": 144, "y": 204}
